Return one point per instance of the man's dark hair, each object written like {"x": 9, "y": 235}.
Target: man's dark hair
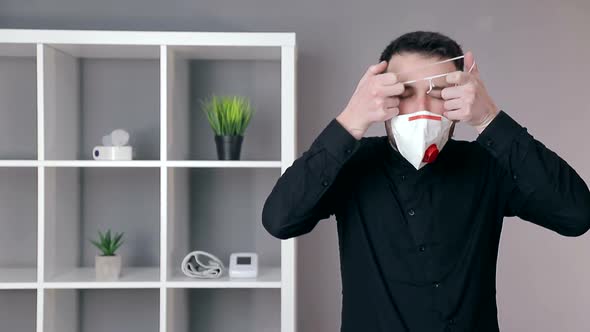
{"x": 432, "y": 44}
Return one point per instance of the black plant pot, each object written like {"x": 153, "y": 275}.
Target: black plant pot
{"x": 228, "y": 147}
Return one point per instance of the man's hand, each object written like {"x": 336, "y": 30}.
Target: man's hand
{"x": 374, "y": 100}
{"x": 468, "y": 101}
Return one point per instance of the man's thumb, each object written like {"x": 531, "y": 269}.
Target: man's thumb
{"x": 378, "y": 68}
{"x": 469, "y": 64}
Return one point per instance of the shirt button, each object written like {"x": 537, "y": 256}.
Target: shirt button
{"x": 325, "y": 183}
{"x": 348, "y": 150}
{"x": 403, "y": 177}
{"x": 421, "y": 248}
{"x": 436, "y": 285}
{"x": 515, "y": 177}
{"x": 411, "y": 212}
{"x": 489, "y": 142}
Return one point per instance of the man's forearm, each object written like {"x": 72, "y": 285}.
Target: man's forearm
{"x": 543, "y": 188}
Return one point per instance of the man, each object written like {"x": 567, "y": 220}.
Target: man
{"x": 418, "y": 213}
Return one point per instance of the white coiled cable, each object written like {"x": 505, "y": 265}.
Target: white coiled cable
{"x": 214, "y": 269}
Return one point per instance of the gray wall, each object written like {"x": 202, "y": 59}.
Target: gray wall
{"x": 533, "y": 57}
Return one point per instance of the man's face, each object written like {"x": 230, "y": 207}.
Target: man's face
{"x": 411, "y": 66}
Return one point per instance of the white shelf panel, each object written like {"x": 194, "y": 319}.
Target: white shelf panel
{"x": 268, "y": 277}
{"x": 18, "y": 285}
{"x": 125, "y": 38}
{"x": 84, "y": 277}
{"x": 101, "y": 163}
{"x": 20, "y": 163}
{"x": 145, "y": 163}
{"x": 223, "y": 164}
{"x": 18, "y": 278}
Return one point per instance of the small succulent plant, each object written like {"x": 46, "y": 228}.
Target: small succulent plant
{"x": 107, "y": 244}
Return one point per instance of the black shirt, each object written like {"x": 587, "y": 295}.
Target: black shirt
{"x": 418, "y": 248}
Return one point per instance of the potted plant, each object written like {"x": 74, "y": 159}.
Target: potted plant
{"x": 229, "y": 117}
{"x": 108, "y": 264}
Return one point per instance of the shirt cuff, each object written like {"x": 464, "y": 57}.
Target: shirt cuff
{"x": 339, "y": 143}
{"x": 499, "y": 134}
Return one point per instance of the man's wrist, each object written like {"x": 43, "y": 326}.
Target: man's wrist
{"x": 355, "y": 128}
{"x": 487, "y": 120}
{"x": 500, "y": 134}
{"x": 339, "y": 143}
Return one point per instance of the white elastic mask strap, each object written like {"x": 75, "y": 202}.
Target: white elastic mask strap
{"x": 473, "y": 65}
{"x": 430, "y": 78}
{"x": 431, "y": 64}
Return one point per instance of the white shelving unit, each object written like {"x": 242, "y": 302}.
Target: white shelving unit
{"x": 60, "y": 92}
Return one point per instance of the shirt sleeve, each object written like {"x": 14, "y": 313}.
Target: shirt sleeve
{"x": 540, "y": 186}
{"x": 309, "y": 189}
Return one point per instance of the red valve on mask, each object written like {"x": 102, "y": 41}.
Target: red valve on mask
{"x": 430, "y": 154}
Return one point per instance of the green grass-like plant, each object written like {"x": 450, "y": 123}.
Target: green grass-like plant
{"x": 228, "y": 115}
{"x": 108, "y": 245}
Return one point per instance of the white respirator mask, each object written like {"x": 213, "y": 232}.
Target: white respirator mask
{"x": 420, "y": 136}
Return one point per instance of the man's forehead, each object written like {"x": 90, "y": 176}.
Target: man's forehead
{"x": 411, "y": 66}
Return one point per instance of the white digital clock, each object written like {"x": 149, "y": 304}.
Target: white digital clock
{"x": 243, "y": 265}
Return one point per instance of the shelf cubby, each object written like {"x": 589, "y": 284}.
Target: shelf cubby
{"x": 18, "y": 225}
{"x": 18, "y": 96}
{"x": 101, "y": 310}
{"x": 90, "y": 90}
{"x": 18, "y": 310}
{"x": 199, "y": 310}
{"x": 218, "y": 210}
{"x": 194, "y": 73}
{"x": 82, "y": 201}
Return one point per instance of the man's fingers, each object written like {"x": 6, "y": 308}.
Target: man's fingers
{"x": 451, "y": 92}
{"x": 378, "y": 68}
{"x": 391, "y": 102}
{"x": 457, "y": 77}
{"x": 375, "y": 69}
{"x": 390, "y": 113}
{"x": 387, "y": 79}
{"x": 456, "y": 115}
{"x": 453, "y": 104}
{"x": 391, "y": 90}
{"x": 372, "y": 71}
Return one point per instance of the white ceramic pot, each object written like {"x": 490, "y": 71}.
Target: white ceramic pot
{"x": 108, "y": 268}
